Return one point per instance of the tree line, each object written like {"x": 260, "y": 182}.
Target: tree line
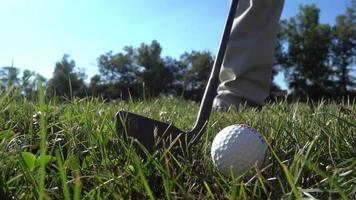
{"x": 318, "y": 61}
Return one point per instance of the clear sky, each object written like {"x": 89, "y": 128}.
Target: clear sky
{"x": 36, "y": 33}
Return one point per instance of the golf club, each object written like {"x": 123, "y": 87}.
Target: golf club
{"x": 152, "y": 133}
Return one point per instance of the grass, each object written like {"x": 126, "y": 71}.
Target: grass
{"x": 70, "y": 150}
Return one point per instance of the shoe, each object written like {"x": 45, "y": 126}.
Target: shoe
{"x": 226, "y": 101}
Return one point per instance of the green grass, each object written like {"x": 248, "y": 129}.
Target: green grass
{"x": 312, "y": 149}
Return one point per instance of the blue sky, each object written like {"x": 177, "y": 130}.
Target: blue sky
{"x": 36, "y": 33}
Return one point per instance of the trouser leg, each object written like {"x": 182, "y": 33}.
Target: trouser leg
{"x": 247, "y": 66}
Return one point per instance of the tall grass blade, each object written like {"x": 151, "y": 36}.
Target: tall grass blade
{"x": 142, "y": 176}
{"x": 77, "y": 188}
{"x": 330, "y": 179}
{"x": 43, "y": 140}
{"x": 288, "y": 175}
{"x": 63, "y": 176}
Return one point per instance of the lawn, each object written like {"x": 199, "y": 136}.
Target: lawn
{"x": 70, "y": 150}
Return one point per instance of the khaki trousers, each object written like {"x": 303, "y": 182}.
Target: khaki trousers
{"x": 247, "y": 66}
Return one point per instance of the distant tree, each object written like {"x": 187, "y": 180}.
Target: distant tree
{"x": 9, "y": 77}
{"x": 2, "y": 89}
{"x": 27, "y": 84}
{"x": 29, "y": 81}
{"x": 280, "y": 60}
{"x": 107, "y": 90}
{"x": 66, "y": 81}
{"x": 136, "y": 72}
{"x": 118, "y": 75}
{"x": 94, "y": 84}
{"x": 3, "y": 79}
{"x": 307, "y": 69}
{"x": 177, "y": 69}
{"x": 154, "y": 75}
{"x": 344, "y": 50}
{"x": 120, "y": 67}
{"x": 197, "y": 67}
{"x": 41, "y": 79}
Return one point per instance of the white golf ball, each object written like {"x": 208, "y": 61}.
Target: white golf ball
{"x": 238, "y": 148}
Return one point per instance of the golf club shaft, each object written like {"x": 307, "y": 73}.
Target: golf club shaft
{"x": 212, "y": 85}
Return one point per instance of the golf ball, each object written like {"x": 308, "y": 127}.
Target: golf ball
{"x": 238, "y": 148}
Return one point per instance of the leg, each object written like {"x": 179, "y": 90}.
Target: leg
{"x": 245, "y": 76}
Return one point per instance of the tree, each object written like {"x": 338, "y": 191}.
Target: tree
{"x": 66, "y": 82}
{"x": 120, "y": 67}
{"x": 129, "y": 72}
{"x": 29, "y": 81}
{"x": 27, "y": 84}
{"x": 344, "y": 50}
{"x": 154, "y": 75}
{"x": 177, "y": 70}
{"x": 118, "y": 75}
{"x": 307, "y": 69}
{"x": 280, "y": 60}
{"x": 9, "y": 77}
{"x": 197, "y": 68}
{"x": 94, "y": 85}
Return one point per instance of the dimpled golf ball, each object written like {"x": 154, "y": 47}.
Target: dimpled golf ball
{"x": 238, "y": 148}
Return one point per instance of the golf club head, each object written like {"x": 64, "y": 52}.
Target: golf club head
{"x": 152, "y": 133}
{"x": 149, "y": 132}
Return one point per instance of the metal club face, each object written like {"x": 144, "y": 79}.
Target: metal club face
{"x": 149, "y": 132}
